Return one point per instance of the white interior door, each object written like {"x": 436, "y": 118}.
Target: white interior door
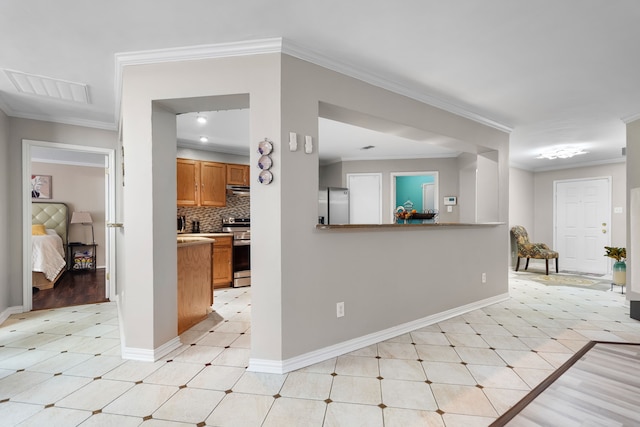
{"x": 365, "y": 198}
{"x": 582, "y": 224}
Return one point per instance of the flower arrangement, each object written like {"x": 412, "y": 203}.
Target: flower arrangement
{"x": 619, "y": 254}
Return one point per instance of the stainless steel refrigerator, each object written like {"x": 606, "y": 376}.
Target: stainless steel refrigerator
{"x": 333, "y": 205}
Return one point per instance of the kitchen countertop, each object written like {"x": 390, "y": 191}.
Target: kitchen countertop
{"x": 405, "y": 226}
{"x": 205, "y": 234}
{"x": 184, "y": 241}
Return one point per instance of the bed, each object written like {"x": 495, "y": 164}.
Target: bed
{"x": 49, "y": 242}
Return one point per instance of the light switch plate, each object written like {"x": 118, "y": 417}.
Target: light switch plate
{"x": 308, "y": 144}
{"x": 293, "y": 141}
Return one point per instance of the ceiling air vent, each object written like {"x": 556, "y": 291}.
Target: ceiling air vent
{"x": 46, "y": 86}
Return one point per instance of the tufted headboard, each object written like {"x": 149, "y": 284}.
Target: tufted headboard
{"x": 54, "y": 216}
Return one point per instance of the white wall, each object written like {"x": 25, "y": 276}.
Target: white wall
{"x": 521, "y": 198}
{"x": 82, "y": 189}
{"x": 146, "y": 286}
{"x": 20, "y": 129}
{"x": 487, "y": 199}
{"x": 633, "y": 211}
{"x": 5, "y": 243}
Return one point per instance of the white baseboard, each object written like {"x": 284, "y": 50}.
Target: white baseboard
{"x": 320, "y": 355}
{"x": 9, "y": 311}
{"x": 146, "y": 355}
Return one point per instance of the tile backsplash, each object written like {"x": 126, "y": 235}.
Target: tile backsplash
{"x": 211, "y": 218}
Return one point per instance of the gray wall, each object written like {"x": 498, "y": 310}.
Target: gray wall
{"x": 380, "y": 285}
{"x": 5, "y": 243}
{"x": 331, "y": 175}
{"x": 300, "y": 272}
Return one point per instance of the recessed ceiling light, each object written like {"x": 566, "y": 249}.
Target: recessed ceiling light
{"x": 204, "y": 139}
{"x": 368, "y": 147}
{"x": 561, "y": 153}
{"x": 201, "y": 119}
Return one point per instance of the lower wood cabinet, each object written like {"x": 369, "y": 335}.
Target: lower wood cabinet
{"x": 222, "y": 258}
{"x": 195, "y": 295}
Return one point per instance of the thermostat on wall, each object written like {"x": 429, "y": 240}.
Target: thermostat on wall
{"x": 450, "y": 200}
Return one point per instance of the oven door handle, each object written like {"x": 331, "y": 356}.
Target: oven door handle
{"x": 242, "y": 243}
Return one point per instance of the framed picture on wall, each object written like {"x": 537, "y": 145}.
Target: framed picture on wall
{"x": 40, "y": 186}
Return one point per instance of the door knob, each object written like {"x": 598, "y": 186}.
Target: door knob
{"x": 604, "y": 231}
{"x": 604, "y": 224}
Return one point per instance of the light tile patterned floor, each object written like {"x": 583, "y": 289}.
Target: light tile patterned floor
{"x": 62, "y": 367}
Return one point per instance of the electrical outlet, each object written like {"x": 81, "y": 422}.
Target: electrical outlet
{"x": 484, "y": 277}
{"x": 340, "y": 309}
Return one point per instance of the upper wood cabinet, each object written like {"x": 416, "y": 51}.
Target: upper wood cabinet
{"x": 237, "y": 174}
{"x": 200, "y": 183}
{"x": 188, "y": 178}
{"x": 213, "y": 188}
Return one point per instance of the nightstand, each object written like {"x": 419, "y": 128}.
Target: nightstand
{"x": 81, "y": 256}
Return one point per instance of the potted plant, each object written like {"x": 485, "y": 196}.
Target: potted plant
{"x": 619, "y": 268}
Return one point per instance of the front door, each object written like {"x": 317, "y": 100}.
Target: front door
{"x": 583, "y": 224}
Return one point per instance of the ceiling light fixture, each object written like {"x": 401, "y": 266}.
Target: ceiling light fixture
{"x": 201, "y": 119}
{"x": 561, "y": 153}
{"x": 204, "y": 139}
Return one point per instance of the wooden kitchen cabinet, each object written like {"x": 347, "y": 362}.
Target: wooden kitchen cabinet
{"x": 222, "y": 253}
{"x": 213, "y": 188}
{"x": 201, "y": 183}
{"x": 188, "y": 178}
{"x": 195, "y": 295}
{"x": 237, "y": 174}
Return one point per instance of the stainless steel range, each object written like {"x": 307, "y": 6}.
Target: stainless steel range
{"x": 241, "y": 230}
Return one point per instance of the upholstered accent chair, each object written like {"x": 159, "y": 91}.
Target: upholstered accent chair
{"x": 530, "y": 250}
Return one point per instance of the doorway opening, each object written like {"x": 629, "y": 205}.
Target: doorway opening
{"x": 78, "y": 179}
{"x": 415, "y": 190}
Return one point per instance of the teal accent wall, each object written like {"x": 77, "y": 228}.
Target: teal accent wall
{"x": 410, "y": 188}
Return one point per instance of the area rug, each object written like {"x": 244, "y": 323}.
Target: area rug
{"x": 596, "y": 387}
{"x": 563, "y": 279}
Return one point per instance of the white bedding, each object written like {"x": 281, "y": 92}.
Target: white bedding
{"x": 48, "y": 254}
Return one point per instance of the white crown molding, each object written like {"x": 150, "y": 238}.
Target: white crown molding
{"x": 190, "y": 53}
{"x": 67, "y": 121}
{"x": 279, "y": 45}
{"x": 632, "y": 118}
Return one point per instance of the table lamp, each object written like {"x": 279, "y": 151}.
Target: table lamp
{"x": 83, "y": 218}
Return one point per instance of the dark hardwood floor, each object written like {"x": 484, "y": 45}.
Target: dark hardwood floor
{"x": 73, "y": 288}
